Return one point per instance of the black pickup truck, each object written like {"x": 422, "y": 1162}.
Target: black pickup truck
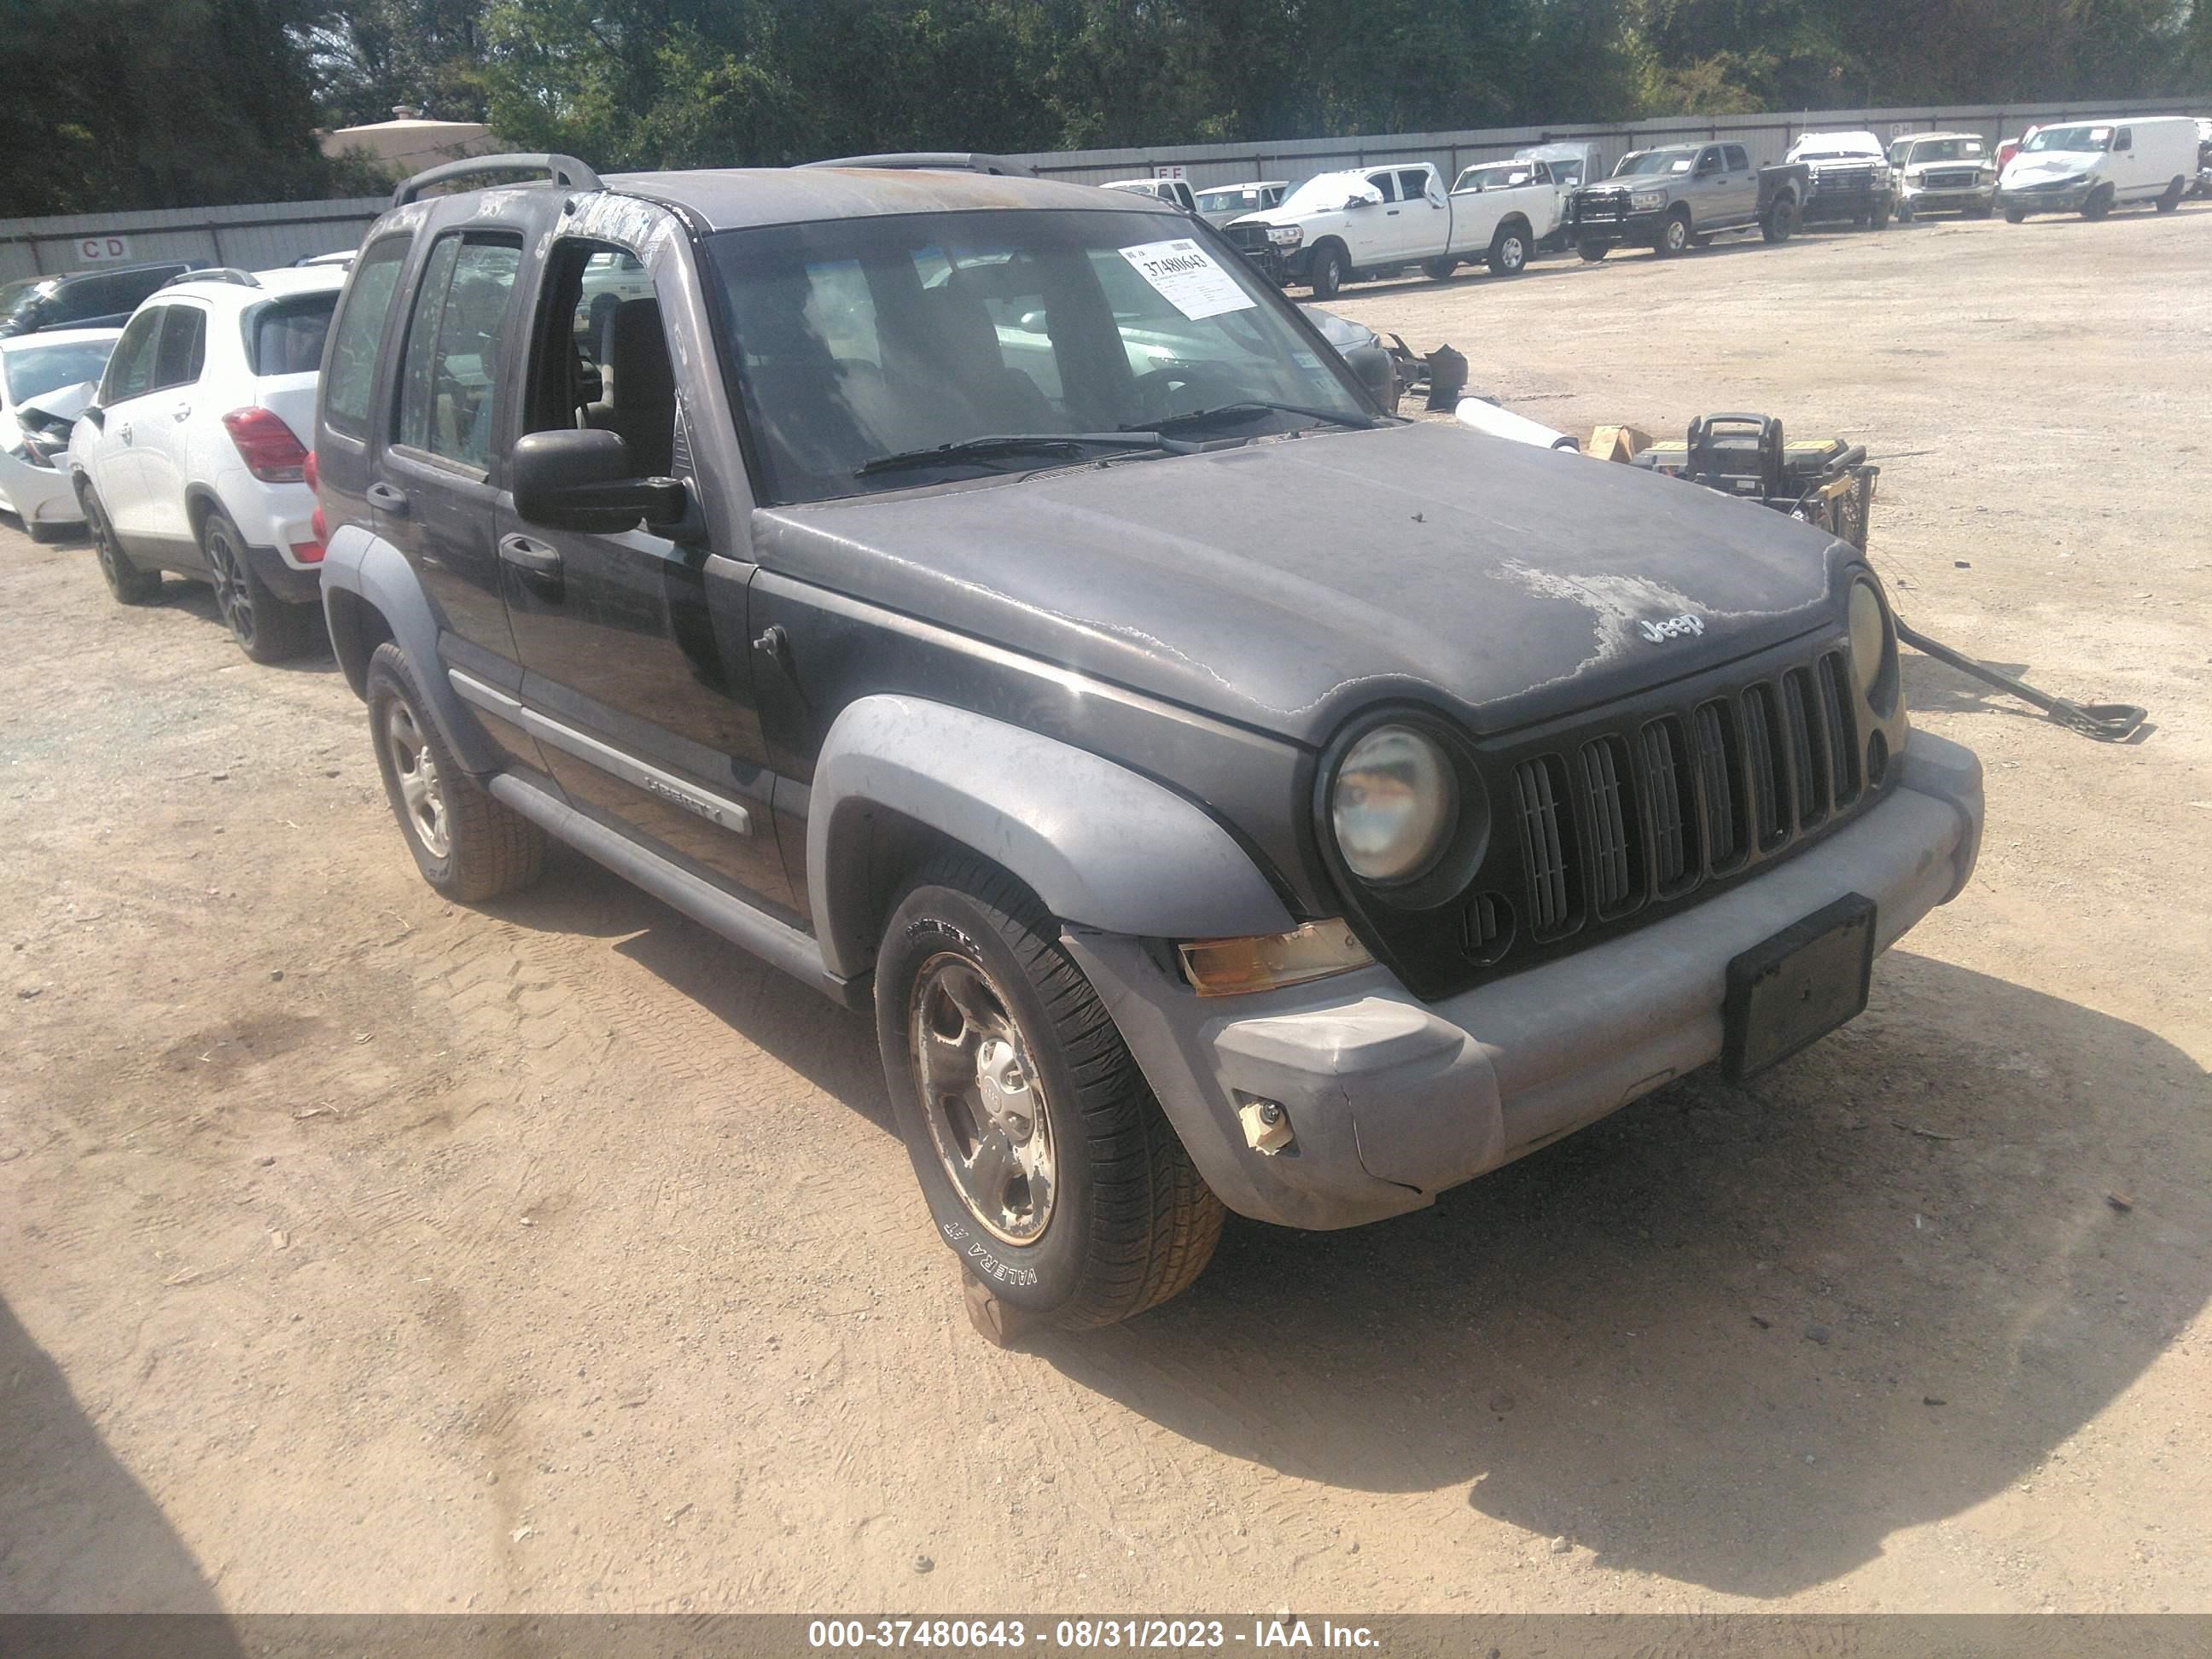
{"x": 1679, "y": 196}
{"x": 990, "y": 602}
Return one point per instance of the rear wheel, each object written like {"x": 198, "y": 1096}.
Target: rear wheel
{"x": 266, "y": 628}
{"x": 1509, "y": 252}
{"x": 125, "y": 580}
{"x": 1328, "y": 271}
{"x": 1780, "y": 223}
{"x": 1048, "y": 1165}
{"x": 1674, "y": 236}
{"x": 467, "y": 845}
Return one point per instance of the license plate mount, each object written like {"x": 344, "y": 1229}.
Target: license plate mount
{"x": 1790, "y": 990}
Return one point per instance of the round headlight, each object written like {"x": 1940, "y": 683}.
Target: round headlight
{"x": 1394, "y": 805}
{"x": 1872, "y": 655}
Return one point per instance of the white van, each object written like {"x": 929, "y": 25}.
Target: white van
{"x": 2096, "y": 166}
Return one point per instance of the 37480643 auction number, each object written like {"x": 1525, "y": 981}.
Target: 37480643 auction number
{"x": 834, "y": 1633}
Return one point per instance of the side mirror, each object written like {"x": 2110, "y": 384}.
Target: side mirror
{"x": 584, "y": 481}
{"x": 96, "y": 415}
{"x": 1360, "y": 202}
{"x": 1375, "y": 370}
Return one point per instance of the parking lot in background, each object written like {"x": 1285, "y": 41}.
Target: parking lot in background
{"x": 362, "y": 1251}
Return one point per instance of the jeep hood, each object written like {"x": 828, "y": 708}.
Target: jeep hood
{"x": 1284, "y": 584}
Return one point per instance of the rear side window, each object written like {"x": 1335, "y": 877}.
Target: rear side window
{"x": 285, "y": 336}
{"x": 351, "y": 379}
{"x": 449, "y": 382}
{"x": 1738, "y": 159}
{"x": 183, "y": 350}
{"x": 131, "y": 370}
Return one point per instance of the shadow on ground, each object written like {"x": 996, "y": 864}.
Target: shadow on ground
{"x": 1735, "y": 1336}
{"x": 78, "y": 1533}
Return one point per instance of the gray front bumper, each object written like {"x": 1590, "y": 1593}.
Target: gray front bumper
{"x": 1392, "y": 1100}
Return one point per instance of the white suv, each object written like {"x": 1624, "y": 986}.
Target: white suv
{"x": 191, "y": 459}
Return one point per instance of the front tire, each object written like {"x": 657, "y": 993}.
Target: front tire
{"x": 2099, "y": 204}
{"x": 1048, "y": 1165}
{"x": 1438, "y": 270}
{"x": 266, "y": 628}
{"x": 2171, "y": 200}
{"x": 1674, "y": 236}
{"x": 125, "y": 580}
{"x": 1905, "y": 213}
{"x": 468, "y": 845}
{"x": 1882, "y": 217}
{"x": 2016, "y": 216}
{"x": 1591, "y": 252}
{"x": 1329, "y": 273}
{"x": 1780, "y": 223}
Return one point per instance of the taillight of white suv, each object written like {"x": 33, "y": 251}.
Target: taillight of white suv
{"x": 267, "y": 445}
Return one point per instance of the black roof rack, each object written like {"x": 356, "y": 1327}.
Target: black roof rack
{"x": 935, "y": 161}
{"x": 563, "y": 170}
{"x": 216, "y": 274}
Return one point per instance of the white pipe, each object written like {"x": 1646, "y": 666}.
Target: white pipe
{"x": 1485, "y": 416}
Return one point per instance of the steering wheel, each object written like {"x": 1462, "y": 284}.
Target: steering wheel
{"x": 1178, "y": 387}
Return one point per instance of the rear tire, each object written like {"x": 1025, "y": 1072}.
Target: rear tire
{"x": 266, "y": 628}
{"x": 125, "y": 580}
{"x": 1048, "y": 1165}
{"x": 1329, "y": 273}
{"x": 1509, "y": 252}
{"x": 468, "y": 845}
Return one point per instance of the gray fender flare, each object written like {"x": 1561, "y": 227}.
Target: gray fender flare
{"x": 1102, "y": 847}
{"x": 364, "y": 565}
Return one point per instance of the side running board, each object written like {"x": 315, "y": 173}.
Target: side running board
{"x": 775, "y": 943}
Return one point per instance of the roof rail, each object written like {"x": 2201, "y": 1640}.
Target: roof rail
{"x": 216, "y": 274}
{"x": 563, "y": 170}
{"x": 935, "y": 161}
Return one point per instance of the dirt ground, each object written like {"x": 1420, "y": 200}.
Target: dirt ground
{"x": 360, "y": 1251}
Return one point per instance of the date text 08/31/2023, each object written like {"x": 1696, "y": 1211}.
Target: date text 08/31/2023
{"x": 1086, "y": 1634}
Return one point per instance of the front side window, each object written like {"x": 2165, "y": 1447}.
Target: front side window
{"x": 1413, "y": 184}
{"x": 449, "y": 378}
{"x": 350, "y": 380}
{"x": 131, "y": 370}
{"x": 857, "y": 339}
{"x": 183, "y": 350}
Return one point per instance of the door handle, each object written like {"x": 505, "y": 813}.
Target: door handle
{"x": 385, "y": 498}
{"x": 123, "y": 432}
{"x": 533, "y": 558}
{"x": 181, "y": 412}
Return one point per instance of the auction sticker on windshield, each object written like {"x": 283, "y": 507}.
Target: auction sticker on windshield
{"x": 1188, "y": 278}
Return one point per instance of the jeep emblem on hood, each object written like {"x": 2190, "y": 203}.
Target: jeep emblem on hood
{"x": 1673, "y": 628}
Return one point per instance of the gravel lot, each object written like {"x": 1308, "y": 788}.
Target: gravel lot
{"x": 359, "y": 1251}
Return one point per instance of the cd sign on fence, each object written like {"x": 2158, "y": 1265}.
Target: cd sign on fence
{"x": 95, "y": 249}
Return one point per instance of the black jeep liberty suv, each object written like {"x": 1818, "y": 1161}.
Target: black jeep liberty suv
{"x": 988, "y": 601}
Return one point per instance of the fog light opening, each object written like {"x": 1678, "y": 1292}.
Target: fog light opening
{"x": 1877, "y": 761}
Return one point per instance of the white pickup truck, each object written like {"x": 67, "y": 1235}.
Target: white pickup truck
{"x": 1338, "y": 227}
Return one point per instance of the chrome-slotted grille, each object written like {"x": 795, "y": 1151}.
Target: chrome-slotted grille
{"x": 1961, "y": 178}
{"x": 1622, "y": 818}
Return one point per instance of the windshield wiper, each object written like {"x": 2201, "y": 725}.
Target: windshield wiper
{"x": 1018, "y": 443}
{"x": 1252, "y": 408}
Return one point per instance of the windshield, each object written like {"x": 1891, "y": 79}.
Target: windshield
{"x": 865, "y": 337}
{"x": 1945, "y": 149}
{"x": 1500, "y": 175}
{"x": 1655, "y": 160}
{"x": 2070, "y": 138}
{"x": 33, "y": 371}
{"x": 1248, "y": 199}
{"x": 1325, "y": 192}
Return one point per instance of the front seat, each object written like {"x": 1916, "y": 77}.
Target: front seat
{"x": 641, "y": 389}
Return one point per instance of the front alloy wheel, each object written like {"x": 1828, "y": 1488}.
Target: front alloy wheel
{"x": 989, "y": 1122}
{"x": 1674, "y": 236}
